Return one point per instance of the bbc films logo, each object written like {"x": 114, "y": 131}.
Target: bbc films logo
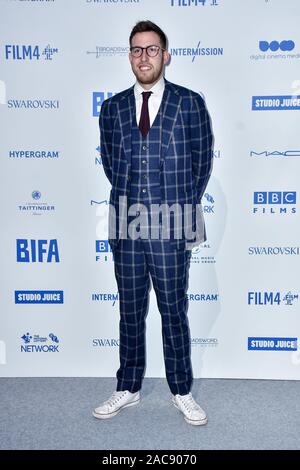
{"x": 272, "y": 298}
{"x": 275, "y": 50}
{"x": 39, "y": 297}
{"x": 272, "y": 344}
{"x": 22, "y": 52}
{"x": 39, "y": 344}
{"x": 36, "y": 206}
{"x": 274, "y": 202}
{"x": 276, "y": 103}
{"x": 37, "y": 251}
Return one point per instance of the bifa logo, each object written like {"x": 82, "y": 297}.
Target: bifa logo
{"x": 98, "y": 98}
{"x": 280, "y": 200}
{"x": 29, "y": 52}
{"x": 102, "y": 247}
{"x": 37, "y": 251}
{"x": 271, "y": 298}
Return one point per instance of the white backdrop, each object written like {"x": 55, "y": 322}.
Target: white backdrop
{"x": 58, "y": 60}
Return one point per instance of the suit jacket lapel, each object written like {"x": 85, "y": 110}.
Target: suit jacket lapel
{"x": 170, "y": 109}
{"x": 127, "y": 114}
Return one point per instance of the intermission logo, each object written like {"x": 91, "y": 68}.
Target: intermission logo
{"x": 272, "y": 344}
{"x": 112, "y": 298}
{"x": 39, "y": 297}
{"x": 275, "y": 50}
{"x": 109, "y": 51}
{"x": 29, "y": 52}
{"x": 275, "y": 153}
{"x": 274, "y": 250}
{"x": 98, "y": 98}
{"x": 34, "y": 154}
{"x": 205, "y": 342}
{"x": 37, "y": 251}
{"x": 276, "y": 103}
{"x": 32, "y": 104}
{"x": 274, "y": 202}
{"x": 36, "y": 208}
{"x": 39, "y": 344}
{"x": 106, "y": 342}
{"x": 198, "y": 51}
{"x": 194, "y": 3}
{"x": 271, "y": 298}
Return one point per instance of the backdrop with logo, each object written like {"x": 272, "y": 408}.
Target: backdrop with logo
{"x": 59, "y": 302}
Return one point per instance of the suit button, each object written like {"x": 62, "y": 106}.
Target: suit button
{"x": 128, "y": 178}
{"x": 145, "y": 177}
{"x": 144, "y": 190}
{"x": 144, "y": 162}
{"x": 145, "y": 147}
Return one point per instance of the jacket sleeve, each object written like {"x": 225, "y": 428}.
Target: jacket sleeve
{"x": 201, "y": 145}
{"x": 106, "y": 139}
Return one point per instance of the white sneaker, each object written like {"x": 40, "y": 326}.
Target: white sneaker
{"x": 116, "y": 403}
{"x": 192, "y": 412}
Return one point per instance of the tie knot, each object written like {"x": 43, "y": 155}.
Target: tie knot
{"x": 146, "y": 95}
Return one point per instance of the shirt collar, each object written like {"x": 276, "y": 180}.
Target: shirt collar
{"x": 157, "y": 89}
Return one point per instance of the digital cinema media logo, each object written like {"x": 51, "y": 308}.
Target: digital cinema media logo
{"x": 274, "y": 202}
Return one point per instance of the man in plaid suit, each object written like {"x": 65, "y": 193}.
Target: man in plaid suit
{"x": 156, "y": 147}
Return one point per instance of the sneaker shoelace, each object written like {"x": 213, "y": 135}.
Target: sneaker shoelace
{"x": 189, "y": 403}
{"x": 113, "y": 400}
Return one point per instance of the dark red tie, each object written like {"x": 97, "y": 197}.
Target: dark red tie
{"x": 144, "y": 124}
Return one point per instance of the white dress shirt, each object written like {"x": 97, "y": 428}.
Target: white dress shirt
{"x": 154, "y": 101}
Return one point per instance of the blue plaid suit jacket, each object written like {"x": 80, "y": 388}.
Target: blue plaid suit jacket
{"x": 185, "y": 159}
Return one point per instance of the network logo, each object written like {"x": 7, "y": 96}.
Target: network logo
{"x": 208, "y": 207}
{"x": 98, "y": 98}
{"x": 272, "y": 344}
{"x": 281, "y": 202}
{"x": 39, "y": 344}
{"x": 39, "y": 297}
{"x": 106, "y": 342}
{"x": 271, "y": 298}
{"x": 37, "y": 251}
{"x": 29, "y": 52}
{"x": 275, "y": 153}
{"x": 274, "y": 46}
{"x": 276, "y": 103}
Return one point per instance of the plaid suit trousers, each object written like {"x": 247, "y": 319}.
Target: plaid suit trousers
{"x": 135, "y": 262}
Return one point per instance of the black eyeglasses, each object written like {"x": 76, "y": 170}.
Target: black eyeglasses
{"x": 152, "y": 51}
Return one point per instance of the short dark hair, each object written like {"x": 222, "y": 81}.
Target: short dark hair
{"x": 145, "y": 26}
